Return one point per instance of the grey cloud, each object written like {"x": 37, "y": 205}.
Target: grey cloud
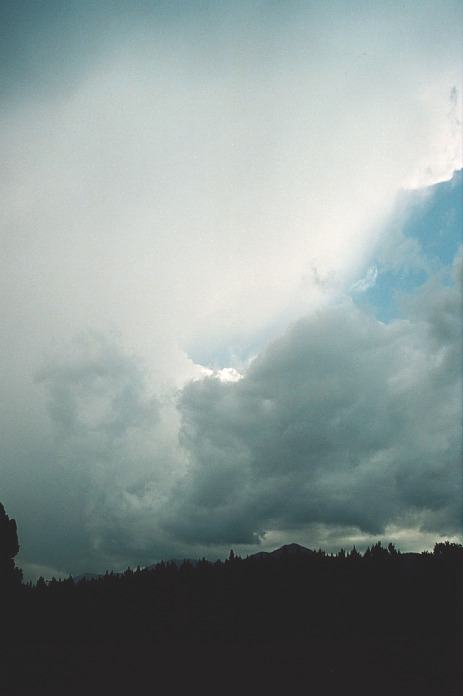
{"x": 99, "y": 388}
{"x": 95, "y": 472}
{"x": 343, "y": 421}
{"x": 344, "y": 428}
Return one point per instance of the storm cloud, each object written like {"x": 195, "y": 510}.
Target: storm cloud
{"x": 343, "y": 421}
{"x": 191, "y": 193}
{"x": 344, "y": 428}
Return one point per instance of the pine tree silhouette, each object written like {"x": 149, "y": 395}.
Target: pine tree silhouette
{"x": 9, "y": 547}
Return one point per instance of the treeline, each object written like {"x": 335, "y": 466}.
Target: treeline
{"x": 297, "y": 593}
{"x": 347, "y": 616}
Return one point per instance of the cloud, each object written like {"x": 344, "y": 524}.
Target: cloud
{"x": 97, "y": 389}
{"x": 448, "y": 155}
{"x": 101, "y": 462}
{"x": 343, "y": 422}
{"x": 342, "y": 430}
{"x": 182, "y": 185}
{"x": 367, "y": 281}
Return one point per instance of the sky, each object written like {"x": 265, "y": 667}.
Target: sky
{"x": 231, "y": 266}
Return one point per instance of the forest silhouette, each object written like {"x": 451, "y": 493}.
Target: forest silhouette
{"x": 291, "y": 621}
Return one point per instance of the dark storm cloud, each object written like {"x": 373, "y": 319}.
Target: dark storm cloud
{"x": 343, "y": 421}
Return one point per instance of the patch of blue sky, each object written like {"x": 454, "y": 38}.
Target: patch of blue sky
{"x": 384, "y": 296}
{"x": 436, "y": 219}
{"x": 422, "y": 238}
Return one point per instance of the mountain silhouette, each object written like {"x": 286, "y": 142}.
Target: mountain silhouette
{"x": 285, "y": 550}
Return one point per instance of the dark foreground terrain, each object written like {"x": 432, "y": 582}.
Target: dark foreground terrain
{"x": 293, "y": 622}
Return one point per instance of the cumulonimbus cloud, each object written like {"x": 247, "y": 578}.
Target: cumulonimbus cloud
{"x": 344, "y": 420}
{"x": 198, "y": 181}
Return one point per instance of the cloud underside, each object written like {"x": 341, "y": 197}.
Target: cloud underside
{"x": 344, "y": 426}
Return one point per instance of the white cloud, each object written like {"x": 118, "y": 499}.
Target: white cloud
{"x": 367, "y": 282}
{"x": 229, "y": 374}
{"x": 447, "y": 154}
{"x": 186, "y": 190}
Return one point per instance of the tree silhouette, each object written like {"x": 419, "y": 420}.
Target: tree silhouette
{"x": 9, "y": 547}
{"x": 403, "y": 612}
{"x": 448, "y": 550}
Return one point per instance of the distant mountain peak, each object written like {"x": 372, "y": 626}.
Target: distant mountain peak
{"x": 293, "y": 548}
{"x": 287, "y": 549}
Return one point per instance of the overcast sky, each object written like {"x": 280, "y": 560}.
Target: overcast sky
{"x": 230, "y": 277}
